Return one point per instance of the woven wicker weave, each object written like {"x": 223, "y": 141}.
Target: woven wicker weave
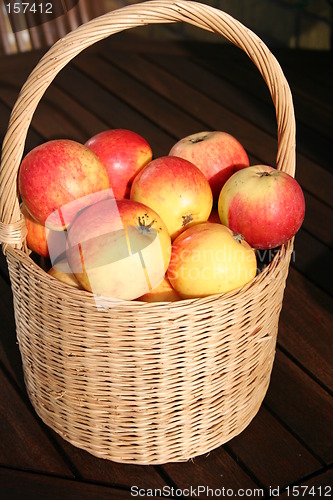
{"x": 136, "y": 382}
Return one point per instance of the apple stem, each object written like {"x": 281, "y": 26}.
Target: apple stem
{"x": 187, "y": 219}
{"x": 239, "y": 237}
{"x": 143, "y": 227}
{"x": 198, "y": 139}
{"x": 264, "y": 174}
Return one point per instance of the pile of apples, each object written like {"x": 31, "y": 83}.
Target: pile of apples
{"x": 112, "y": 220}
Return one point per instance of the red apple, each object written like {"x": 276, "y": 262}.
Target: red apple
{"x": 207, "y": 259}
{"x": 265, "y": 205}
{"x": 56, "y": 173}
{"x": 217, "y": 154}
{"x": 176, "y": 189}
{"x": 118, "y": 248}
{"x": 123, "y": 153}
{"x": 36, "y": 236}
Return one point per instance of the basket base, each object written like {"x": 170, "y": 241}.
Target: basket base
{"x": 156, "y": 454}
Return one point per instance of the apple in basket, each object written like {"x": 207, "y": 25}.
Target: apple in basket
{"x": 208, "y": 259}
{"x": 164, "y": 292}
{"x": 176, "y": 189}
{"x": 265, "y": 205}
{"x": 36, "y": 234}
{"x": 62, "y": 272}
{"x": 41, "y": 239}
{"x": 217, "y": 154}
{"x": 118, "y": 248}
{"x": 56, "y": 173}
{"x": 123, "y": 153}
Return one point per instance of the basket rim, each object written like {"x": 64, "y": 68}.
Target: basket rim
{"x": 284, "y": 252}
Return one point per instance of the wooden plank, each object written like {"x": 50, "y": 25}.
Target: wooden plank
{"x": 306, "y": 327}
{"x": 273, "y": 455}
{"x": 33, "y": 138}
{"x": 313, "y": 63}
{"x": 20, "y": 484}
{"x": 91, "y": 468}
{"x": 314, "y": 260}
{"x": 309, "y": 89}
{"x": 56, "y": 116}
{"x": 304, "y": 407}
{"x": 318, "y": 219}
{"x": 23, "y": 442}
{"x": 238, "y": 70}
{"x": 9, "y": 351}
{"x": 21, "y": 61}
{"x": 213, "y": 470}
{"x": 317, "y": 180}
{"x": 139, "y": 96}
{"x": 113, "y": 111}
{"x": 318, "y": 486}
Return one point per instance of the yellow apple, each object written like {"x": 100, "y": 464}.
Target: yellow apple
{"x": 162, "y": 293}
{"x": 118, "y": 248}
{"x": 209, "y": 259}
{"x": 62, "y": 272}
{"x": 177, "y": 190}
{"x": 36, "y": 235}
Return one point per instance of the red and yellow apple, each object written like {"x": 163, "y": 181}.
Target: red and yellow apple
{"x": 118, "y": 248}
{"x": 162, "y": 293}
{"x": 56, "y": 173}
{"x": 36, "y": 235}
{"x": 123, "y": 153}
{"x": 209, "y": 259}
{"x": 265, "y": 205}
{"x": 176, "y": 189}
{"x": 62, "y": 272}
{"x": 217, "y": 154}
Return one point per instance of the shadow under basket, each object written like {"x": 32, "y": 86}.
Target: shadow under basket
{"x": 132, "y": 382}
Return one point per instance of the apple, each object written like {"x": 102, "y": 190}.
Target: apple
{"x": 217, "y": 154}
{"x": 176, "y": 189}
{"x": 62, "y": 272}
{"x": 265, "y": 205}
{"x": 40, "y": 239}
{"x": 56, "y": 173}
{"x": 36, "y": 235}
{"x": 208, "y": 259}
{"x": 162, "y": 293}
{"x": 118, "y": 248}
{"x": 123, "y": 153}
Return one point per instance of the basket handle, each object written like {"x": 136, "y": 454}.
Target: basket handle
{"x": 12, "y": 225}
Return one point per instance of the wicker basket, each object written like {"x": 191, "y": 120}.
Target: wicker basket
{"x": 143, "y": 383}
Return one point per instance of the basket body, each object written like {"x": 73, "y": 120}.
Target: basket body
{"x": 149, "y": 384}
{"x": 144, "y": 383}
